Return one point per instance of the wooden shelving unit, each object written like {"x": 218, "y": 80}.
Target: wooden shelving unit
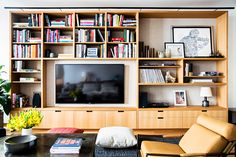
{"x": 138, "y": 118}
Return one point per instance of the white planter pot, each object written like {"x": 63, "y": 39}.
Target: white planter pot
{"x": 26, "y": 131}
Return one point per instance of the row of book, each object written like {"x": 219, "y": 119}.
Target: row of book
{"x": 151, "y": 76}
{"x": 89, "y": 35}
{"x": 33, "y": 20}
{"x": 66, "y": 145}
{"x": 147, "y": 52}
{"x": 27, "y": 51}
{"x": 59, "y": 21}
{"x": 119, "y": 20}
{"x": 83, "y": 51}
{"x": 24, "y": 36}
{"x": 129, "y": 36}
{"x": 55, "y": 36}
{"x": 122, "y": 51}
{"x": 98, "y": 20}
{"x": 19, "y": 100}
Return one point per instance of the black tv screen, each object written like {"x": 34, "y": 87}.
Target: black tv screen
{"x": 89, "y": 83}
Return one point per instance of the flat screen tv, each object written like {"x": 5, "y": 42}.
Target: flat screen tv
{"x": 89, "y": 83}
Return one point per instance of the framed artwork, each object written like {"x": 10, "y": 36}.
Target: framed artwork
{"x": 92, "y": 52}
{"x": 197, "y": 40}
{"x": 180, "y": 98}
{"x": 176, "y": 50}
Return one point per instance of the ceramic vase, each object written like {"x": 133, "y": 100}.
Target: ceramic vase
{"x": 26, "y": 131}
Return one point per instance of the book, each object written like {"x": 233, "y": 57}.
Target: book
{"x": 100, "y": 35}
{"x": 201, "y": 80}
{"x": 66, "y": 145}
{"x": 28, "y": 79}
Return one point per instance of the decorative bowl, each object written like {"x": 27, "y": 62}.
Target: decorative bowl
{"x": 20, "y": 144}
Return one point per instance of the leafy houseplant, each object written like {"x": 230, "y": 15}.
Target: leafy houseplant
{"x": 5, "y": 101}
{"x": 25, "y": 120}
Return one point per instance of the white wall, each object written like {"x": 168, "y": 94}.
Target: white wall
{"x": 4, "y": 23}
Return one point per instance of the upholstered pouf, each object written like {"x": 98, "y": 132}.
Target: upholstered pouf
{"x": 65, "y": 130}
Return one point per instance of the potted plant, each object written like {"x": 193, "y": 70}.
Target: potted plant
{"x": 25, "y": 121}
{"x": 5, "y": 101}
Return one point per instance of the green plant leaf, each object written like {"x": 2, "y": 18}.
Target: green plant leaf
{"x": 6, "y": 86}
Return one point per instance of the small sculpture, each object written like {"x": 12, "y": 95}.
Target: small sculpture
{"x": 169, "y": 78}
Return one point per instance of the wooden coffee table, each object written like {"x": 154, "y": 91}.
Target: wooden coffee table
{"x": 45, "y": 141}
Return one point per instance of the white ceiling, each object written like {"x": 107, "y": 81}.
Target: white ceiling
{"x": 116, "y": 3}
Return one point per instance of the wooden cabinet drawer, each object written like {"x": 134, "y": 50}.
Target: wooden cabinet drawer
{"x": 190, "y": 117}
{"x": 57, "y": 118}
{"x": 89, "y": 119}
{"x": 156, "y": 120}
{"x": 121, "y": 118}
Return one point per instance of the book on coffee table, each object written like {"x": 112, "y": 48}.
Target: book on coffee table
{"x": 66, "y": 145}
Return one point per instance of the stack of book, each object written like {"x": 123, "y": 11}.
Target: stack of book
{"x": 201, "y": 81}
{"x": 146, "y": 51}
{"x": 151, "y": 76}
{"x": 20, "y": 100}
{"x": 97, "y": 21}
{"x": 27, "y": 51}
{"x": 21, "y": 35}
{"x": 115, "y": 20}
{"x": 129, "y": 22}
{"x": 65, "y": 145}
{"x": 86, "y": 35}
{"x": 65, "y": 38}
{"x": 129, "y": 36}
{"x": 86, "y": 22}
{"x": 59, "y": 22}
{"x": 56, "y": 36}
{"x": 28, "y": 79}
{"x": 119, "y": 20}
{"x": 122, "y": 51}
{"x": 81, "y": 50}
{"x": 34, "y": 20}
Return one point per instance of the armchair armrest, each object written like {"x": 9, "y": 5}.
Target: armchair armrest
{"x": 172, "y": 135}
{"x": 159, "y": 154}
{"x": 202, "y": 154}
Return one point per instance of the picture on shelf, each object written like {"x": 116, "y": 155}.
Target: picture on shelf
{"x": 197, "y": 40}
{"x": 92, "y": 52}
{"x": 175, "y": 50}
{"x": 180, "y": 98}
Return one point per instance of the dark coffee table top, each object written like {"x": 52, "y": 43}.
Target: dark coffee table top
{"x": 45, "y": 141}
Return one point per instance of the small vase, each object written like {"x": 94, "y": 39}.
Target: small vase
{"x": 26, "y": 131}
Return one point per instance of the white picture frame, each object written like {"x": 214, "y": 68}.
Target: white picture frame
{"x": 176, "y": 49}
{"x": 180, "y": 98}
{"x": 92, "y": 52}
{"x": 197, "y": 40}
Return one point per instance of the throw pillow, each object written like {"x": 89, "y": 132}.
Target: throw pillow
{"x": 116, "y": 137}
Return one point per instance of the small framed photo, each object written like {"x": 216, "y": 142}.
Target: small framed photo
{"x": 92, "y": 52}
{"x": 180, "y": 98}
{"x": 197, "y": 40}
{"x": 175, "y": 50}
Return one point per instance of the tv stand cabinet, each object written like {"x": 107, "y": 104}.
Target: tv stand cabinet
{"x": 149, "y": 29}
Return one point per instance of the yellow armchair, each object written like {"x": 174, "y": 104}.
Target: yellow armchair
{"x": 207, "y": 137}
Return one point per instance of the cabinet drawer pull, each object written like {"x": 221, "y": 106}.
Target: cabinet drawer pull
{"x": 160, "y": 117}
{"x": 57, "y": 110}
{"x": 89, "y": 111}
{"x": 160, "y": 111}
{"x": 121, "y": 111}
{"x": 204, "y": 110}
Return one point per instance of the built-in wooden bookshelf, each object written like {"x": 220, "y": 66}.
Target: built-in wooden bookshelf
{"x": 77, "y": 30}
